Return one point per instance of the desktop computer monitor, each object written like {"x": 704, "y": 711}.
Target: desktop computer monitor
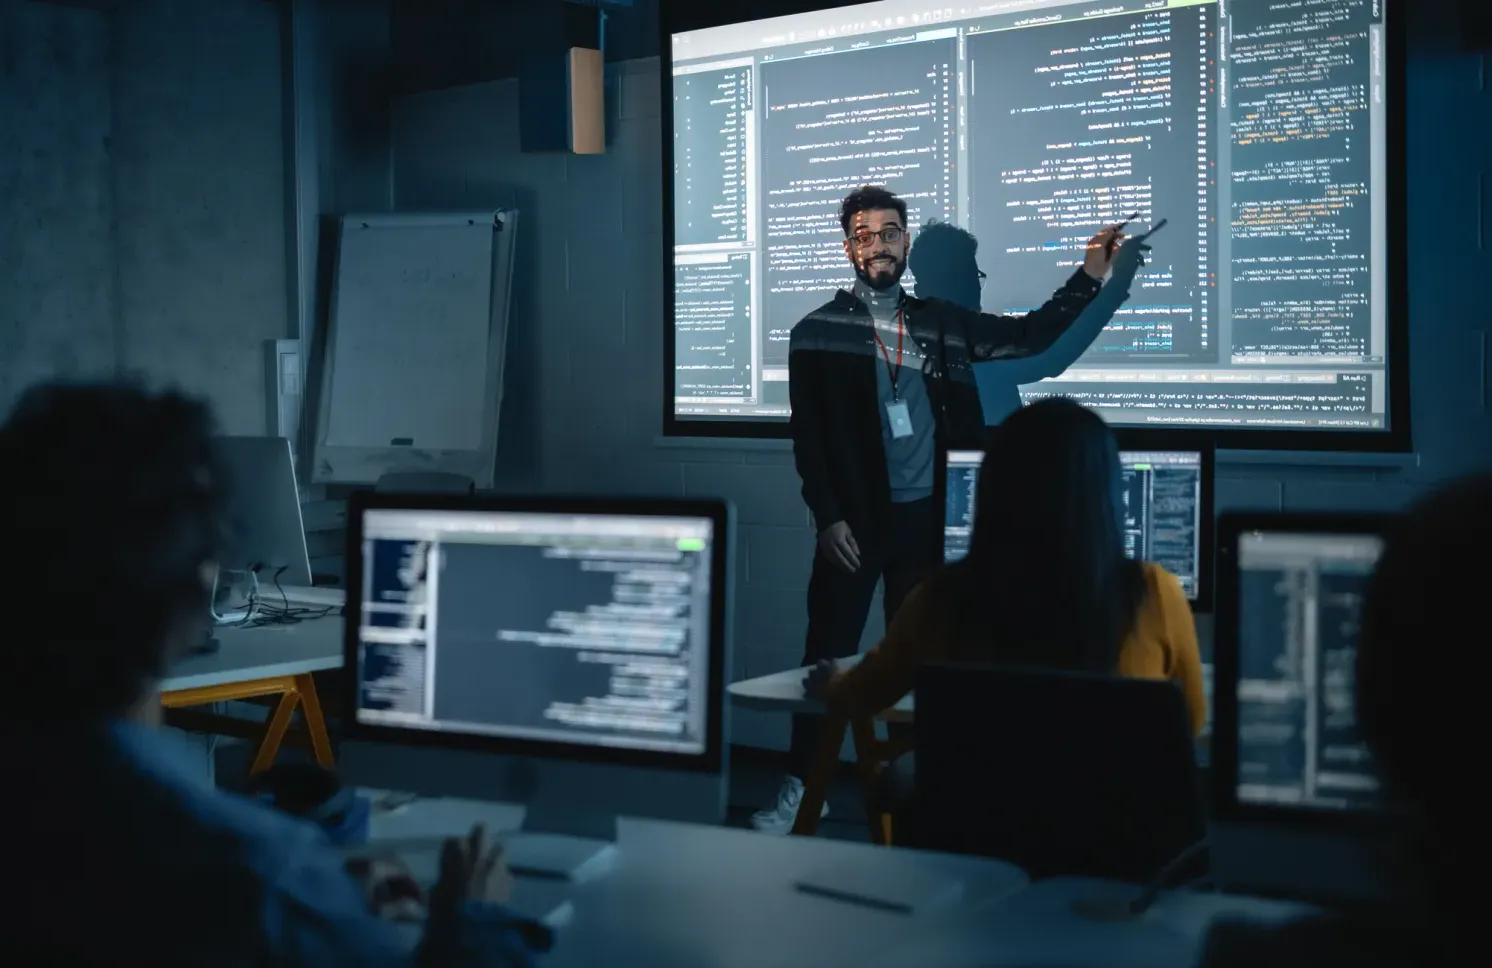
{"x": 265, "y": 529}
{"x": 565, "y": 654}
{"x": 1295, "y": 794}
{"x": 1167, "y": 511}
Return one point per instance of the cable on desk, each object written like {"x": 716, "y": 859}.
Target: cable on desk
{"x": 284, "y": 613}
{"x": 247, "y": 608}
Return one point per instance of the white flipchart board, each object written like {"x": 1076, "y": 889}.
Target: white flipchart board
{"x": 412, "y": 367}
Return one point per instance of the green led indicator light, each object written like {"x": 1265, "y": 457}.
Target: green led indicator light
{"x": 691, "y": 544}
{"x": 1144, "y": 467}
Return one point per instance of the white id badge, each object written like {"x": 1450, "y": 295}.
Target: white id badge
{"x": 899, "y": 419}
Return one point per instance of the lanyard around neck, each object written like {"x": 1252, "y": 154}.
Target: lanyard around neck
{"x": 892, "y": 371}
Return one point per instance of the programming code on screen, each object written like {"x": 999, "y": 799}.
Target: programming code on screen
{"x": 1300, "y": 597}
{"x": 1256, "y": 128}
{"x": 1162, "y": 509}
{"x": 559, "y": 628}
{"x": 1101, "y": 119}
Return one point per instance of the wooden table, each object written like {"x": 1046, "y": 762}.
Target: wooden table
{"x": 268, "y": 660}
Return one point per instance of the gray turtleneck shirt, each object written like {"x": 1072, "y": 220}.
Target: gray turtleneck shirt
{"x": 909, "y": 460}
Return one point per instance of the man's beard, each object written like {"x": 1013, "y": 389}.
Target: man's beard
{"x": 881, "y": 275}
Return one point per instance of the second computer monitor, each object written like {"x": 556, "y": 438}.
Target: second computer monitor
{"x": 1167, "y": 511}
{"x": 1297, "y": 806}
{"x": 1291, "y": 590}
{"x": 266, "y": 532}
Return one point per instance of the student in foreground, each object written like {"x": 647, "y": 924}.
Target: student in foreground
{"x": 1423, "y": 722}
{"x": 111, "y": 513}
{"x": 1045, "y": 584}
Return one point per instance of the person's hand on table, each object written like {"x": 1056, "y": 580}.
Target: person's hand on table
{"x": 820, "y": 678}
{"x": 471, "y": 870}
{"x": 392, "y": 893}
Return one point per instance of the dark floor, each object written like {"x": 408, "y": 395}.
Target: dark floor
{"x": 754, "y": 779}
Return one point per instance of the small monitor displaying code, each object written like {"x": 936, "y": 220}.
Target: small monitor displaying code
{"x": 1299, "y": 603}
{"x": 588, "y": 629}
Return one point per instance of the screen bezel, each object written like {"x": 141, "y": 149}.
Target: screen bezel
{"x": 678, "y": 16}
{"x": 710, "y": 761}
{"x": 1226, "y": 807}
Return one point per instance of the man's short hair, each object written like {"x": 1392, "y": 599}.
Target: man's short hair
{"x": 869, "y": 198}
{"x": 111, "y": 503}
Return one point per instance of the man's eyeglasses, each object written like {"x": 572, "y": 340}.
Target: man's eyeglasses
{"x": 865, "y": 238}
{"x": 982, "y": 277}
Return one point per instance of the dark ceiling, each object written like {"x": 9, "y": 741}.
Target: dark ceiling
{"x": 448, "y": 43}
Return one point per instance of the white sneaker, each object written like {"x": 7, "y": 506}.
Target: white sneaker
{"x": 779, "y": 817}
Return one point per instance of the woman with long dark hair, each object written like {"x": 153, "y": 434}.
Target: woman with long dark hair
{"x": 1046, "y": 582}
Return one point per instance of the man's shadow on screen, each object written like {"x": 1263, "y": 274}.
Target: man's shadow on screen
{"x": 944, "y": 263}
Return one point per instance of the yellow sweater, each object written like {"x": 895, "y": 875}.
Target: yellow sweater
{"x": 1162, "y": 645}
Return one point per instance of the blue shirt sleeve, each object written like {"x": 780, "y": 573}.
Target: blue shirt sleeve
{"x": 278, "y": 880}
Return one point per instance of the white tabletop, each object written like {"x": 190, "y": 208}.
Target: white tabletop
{"x": 262, "y": 652}
{"x": 783, "y": 692}
{"x": 714, "y": 897}
{"x": 1039, "y": 927}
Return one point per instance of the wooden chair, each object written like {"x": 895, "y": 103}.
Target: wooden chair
{"x": 871, "y": 756}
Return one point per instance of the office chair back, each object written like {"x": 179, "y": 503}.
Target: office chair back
{"x": 1059, "y": 773}
{"x": 424, "y": 482}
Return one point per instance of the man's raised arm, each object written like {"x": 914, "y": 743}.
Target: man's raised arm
{"x": 994, "y": 337}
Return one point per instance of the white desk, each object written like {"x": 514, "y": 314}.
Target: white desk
{"x": 262, "y": 652}
{"x": 782, "y": 692}
{"x": 685, "y": 896}
{"x": 1038, "y": 927}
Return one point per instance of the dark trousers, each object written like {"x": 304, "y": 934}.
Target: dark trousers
{"x": 906, "y": 552}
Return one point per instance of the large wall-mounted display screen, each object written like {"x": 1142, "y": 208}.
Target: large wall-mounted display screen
{"x": 1260, "y": 129}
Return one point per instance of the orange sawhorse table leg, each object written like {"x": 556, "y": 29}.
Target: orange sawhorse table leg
{"x": 871, "y": 755}
{"x": 292, "y": 690}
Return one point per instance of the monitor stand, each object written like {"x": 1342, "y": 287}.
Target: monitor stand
{"x": 562, "y": 842}
{"x": 207, "y": 644}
